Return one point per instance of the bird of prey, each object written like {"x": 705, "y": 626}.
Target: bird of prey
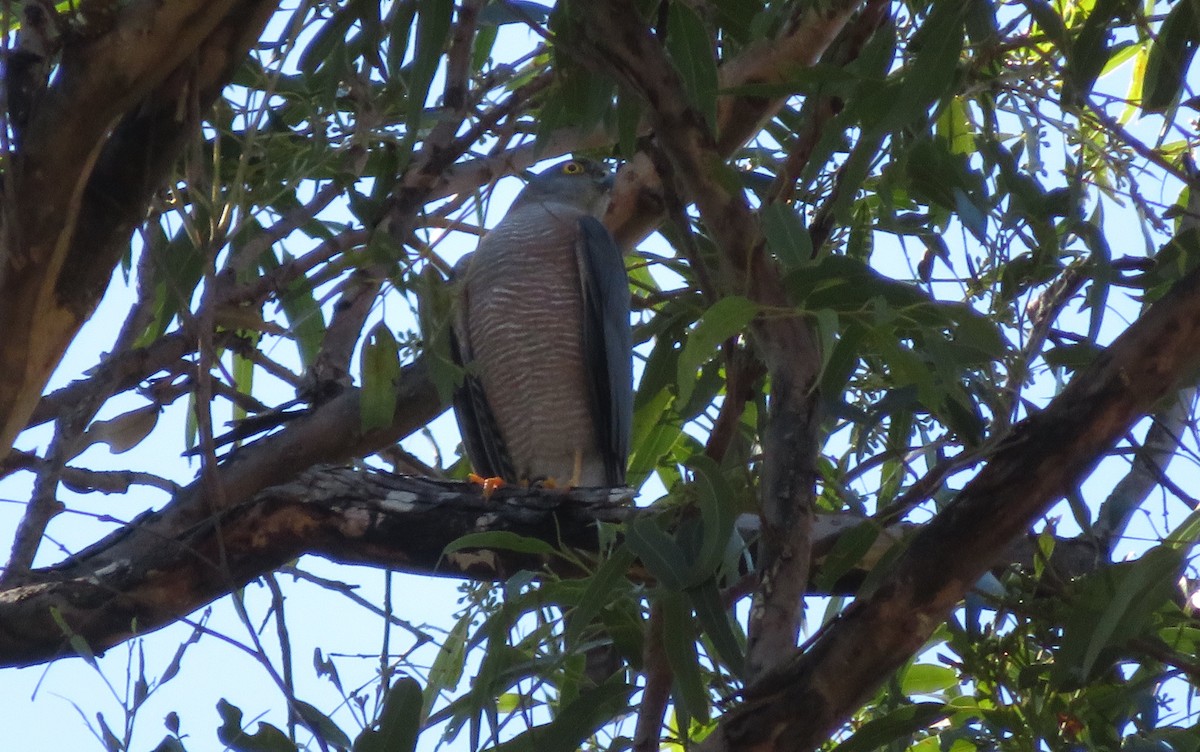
{"x": 542, "y": 330}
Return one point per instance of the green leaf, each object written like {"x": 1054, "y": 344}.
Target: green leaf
{"x": 399, "y": 722}
{"x": 380, "y": 371}
{"x": 481, "y": 50}
{"x": 849, "y": 549}
{"x": 981, "y": 23}
{"x": 595, "y": 596}
{"x": 942, "y": 177}
{"x": 304, "y": 316}
{"x": 178, "y": 266}
{"x": 662, "y": 370}
{"x": 661, "y": 555}
{"x": 690, "y": 47}
{"x": 654, "y": 435}
{"x": 726, "y": 318}
{"x": 1186, "y": 533}
{"x": 78, "y": 643}
{"x": 574, "y": 723}
{"x": 399, "y": 28}
{"x": 582, "y": 99}
{"x": 938, "y": 44}
{"x": 1170, "y": 55}
{"x": 895, "y": 727}
{"x": 447, "y": 668}
{"x": 679, "y": 644}
{"x": 1072, "y": 357}
{"x": 267, "y": 739}
{"x": 330, "y": 35}
{"x": 717, "y": 513}
{"x": 433, "y": 31}
{"x": 501, "y": 539}
{"x": 629, "y": 113}
{"x": 927, "y": 678}
{"x": 1048, "y": 20}
{"x": 1112, "y": 607}
{"x": 243, "y": 381}
{"x": 786, "y": 235}
{"x": 955, "y": 129}
{"x": 733, "y": 18}
{"x": 501, "y": 12}
{"x": 321, "y": 724}
{"x": 970, "y": 215}
{"x": 717, "y": 623}
{"x": 1089, "y": 53}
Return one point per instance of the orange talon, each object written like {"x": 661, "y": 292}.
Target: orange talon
{"x": 489, "y": 484}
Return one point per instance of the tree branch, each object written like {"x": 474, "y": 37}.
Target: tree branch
{"x": 618, "y": 39}
{"x": 1046, "y": 455}
{"x": 99, "y": 141}
{"x": 160, "y": 568}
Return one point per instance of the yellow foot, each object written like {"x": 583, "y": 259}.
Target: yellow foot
{"x": 572, "y": 482}
{"x": 489, "y": 484}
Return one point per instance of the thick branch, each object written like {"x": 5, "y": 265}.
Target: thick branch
{"x": 351, "y": 516}
{"x": 99, "y": 141}
{"x": 134, "y": 583}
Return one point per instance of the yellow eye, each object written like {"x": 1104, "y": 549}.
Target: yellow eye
{"x": 572, "y": 168}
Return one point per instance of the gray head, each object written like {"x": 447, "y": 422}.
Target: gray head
{"x": 580, "y": 183}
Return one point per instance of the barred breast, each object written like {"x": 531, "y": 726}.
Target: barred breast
{"x": 525, "y": 326}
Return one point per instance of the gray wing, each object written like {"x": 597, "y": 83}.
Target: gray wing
{"x": 607, "y": 343}
{"x": 476, "y": 421}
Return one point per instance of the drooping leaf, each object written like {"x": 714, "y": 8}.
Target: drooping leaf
{"x": 718, "y": 624}
{"x": 596, "y": 595}
{"x": 305, "y": 319}
{"x": 717, "y": 511}
{"x": 786, "y": 235}
{"x": 321, "y": 724}
{"x": 380, "y": 370}
{"x": 1089, "y": 52}
{"x": 895, "y": 726}
{"x": 726, "y": 318}
{"x": 574, "y": 723}
{"x": 399, "y": 722}
{"x": 679, "y": 643}
{"x": 123, "y": 432}
{"x": 691, "y": 49}
{"x": 268, "y": 738}
{"x": 501, "y": 539}
{"x": 1170, "y": 56}
{"x": 661, "y": 555}
{"x": 501, "y": 12}
{"x": 1110, "y": 608}
{"x": 447, "y": 668}
{"x": 433, "y": 33}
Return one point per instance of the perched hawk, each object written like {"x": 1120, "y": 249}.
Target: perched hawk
{"x": 542, "y": 328}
